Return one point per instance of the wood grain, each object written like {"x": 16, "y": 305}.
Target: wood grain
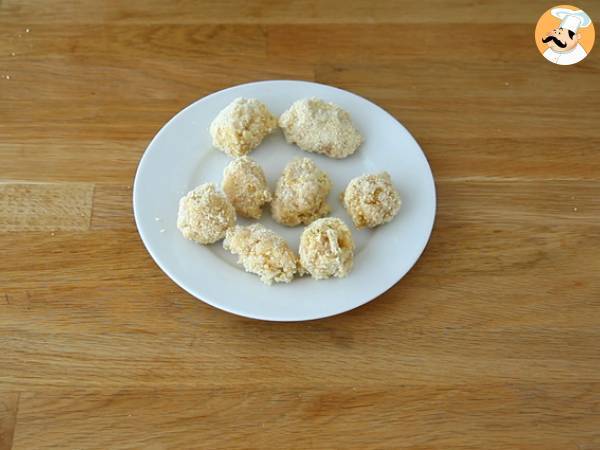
{"x": 491, "y": 341}
{"x": 8, "y": 413}
{"x": 493, "y": 413}
{"x": 302, "y": 11}
{"x": 45, "y": 206}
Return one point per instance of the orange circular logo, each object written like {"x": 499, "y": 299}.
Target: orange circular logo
{"x": 564, "y": 35}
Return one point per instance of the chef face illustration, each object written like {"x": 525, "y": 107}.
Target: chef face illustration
{"x": 563, "y": 39}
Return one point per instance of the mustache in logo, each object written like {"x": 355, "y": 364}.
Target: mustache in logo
{"x": 556, "y": 41}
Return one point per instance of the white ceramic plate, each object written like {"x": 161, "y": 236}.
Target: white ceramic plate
{"x": 181, "y": 156}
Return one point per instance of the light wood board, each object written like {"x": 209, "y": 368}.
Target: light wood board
{"x": 492, "y": 341}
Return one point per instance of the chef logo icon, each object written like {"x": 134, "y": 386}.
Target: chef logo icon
{"x": 564, "y": 35}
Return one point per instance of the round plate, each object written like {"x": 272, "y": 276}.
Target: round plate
{"x": 181, "y": 156}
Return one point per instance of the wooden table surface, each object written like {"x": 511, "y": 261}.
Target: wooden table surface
{"x": 492, "y": 341}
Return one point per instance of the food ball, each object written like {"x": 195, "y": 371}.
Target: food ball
{"x": 241, "y": 126}
{"x": 245, "y": 186}
{"x": 301, "y": 193}
{"x": 327, "y": 248}
{"x": 263, "y": 252}
{"x": 320, "y": 127}
{"x": 371, "y": 200}
{"x": 205, "y": 214}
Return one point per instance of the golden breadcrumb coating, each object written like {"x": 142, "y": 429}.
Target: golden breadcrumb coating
{"x": 320, "y": 127}
{"x": 241, "y": 126}
{"x": 245, "y": 185}
{"x": 205, "y": 214}
{"x": 327, "y": 248}
{"x": 263, "y": 252}
{"x": 301, "y": 193}
{"x": 371, "y": 200}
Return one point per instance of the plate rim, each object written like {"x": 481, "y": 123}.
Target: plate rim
{"x": 217, "y": 305}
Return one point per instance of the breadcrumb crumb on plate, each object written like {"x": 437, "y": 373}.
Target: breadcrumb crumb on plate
{"x": 181, "y": 156}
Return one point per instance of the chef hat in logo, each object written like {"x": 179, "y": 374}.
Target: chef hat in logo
{"x": 571, "y": 20}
